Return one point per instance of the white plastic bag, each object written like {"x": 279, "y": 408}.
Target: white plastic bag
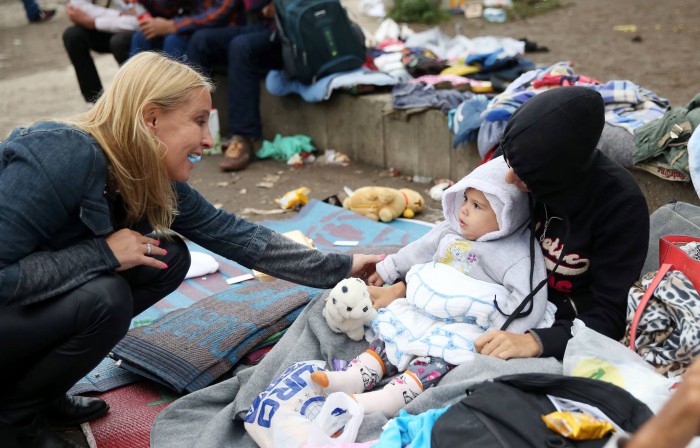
{"x": 201, "y": 264}
{"x": 589, "y": 354}
{"x": 281, "y": 415}
{"x": 338, "y": 421}
{"x": 215, "y": 129}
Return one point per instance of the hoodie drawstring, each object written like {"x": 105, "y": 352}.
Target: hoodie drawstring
{"x": 518, "y": 312}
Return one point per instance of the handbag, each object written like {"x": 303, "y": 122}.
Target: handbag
{"x": 671, "y": 256}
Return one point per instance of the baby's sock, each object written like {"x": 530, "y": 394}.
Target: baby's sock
{"x": 363, "y": 373}
{"x": 395, "y": 395}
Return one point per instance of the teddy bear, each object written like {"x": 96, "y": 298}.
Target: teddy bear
{"x": 349, "y": 308}
{"x": 383, "y": 203}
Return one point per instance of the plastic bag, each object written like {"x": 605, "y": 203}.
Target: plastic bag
{"x": 215, "y": 129}
{"x": 281, "y": 415}
{"x": 338, "y": 421}
{"x": 283, "y": 148}
{"x": 589, "y": 354}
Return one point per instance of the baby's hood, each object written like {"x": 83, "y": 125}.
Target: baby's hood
{"x": 509, "y": 203}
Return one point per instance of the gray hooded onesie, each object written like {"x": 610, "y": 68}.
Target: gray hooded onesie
{"x": 501, "y": 257}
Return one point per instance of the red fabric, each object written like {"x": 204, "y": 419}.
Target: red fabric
{"x": 132, "y": 411}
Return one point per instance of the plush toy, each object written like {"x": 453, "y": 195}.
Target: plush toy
{"x": 349, "y": 308}
{"x": 385, "y": 204}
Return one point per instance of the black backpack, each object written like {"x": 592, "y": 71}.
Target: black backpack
{"x": 507, "y": 412}
{"x": 317, "y": 39}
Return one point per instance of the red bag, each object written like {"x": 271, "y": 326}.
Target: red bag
{"x": 671, "y": 257}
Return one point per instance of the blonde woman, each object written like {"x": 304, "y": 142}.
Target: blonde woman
{"x": 89, "y": 207}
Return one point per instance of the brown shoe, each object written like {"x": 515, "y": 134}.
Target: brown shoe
{"x": 238, "y": 154}
{"x": 44, "y": 16}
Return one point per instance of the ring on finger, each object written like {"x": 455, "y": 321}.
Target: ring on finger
{"x": 148, "y": 248}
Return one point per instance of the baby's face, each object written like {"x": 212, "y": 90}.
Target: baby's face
{"x": 476, "y": 217}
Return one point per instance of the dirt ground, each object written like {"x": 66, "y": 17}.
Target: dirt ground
{"x": 662, "y": 54}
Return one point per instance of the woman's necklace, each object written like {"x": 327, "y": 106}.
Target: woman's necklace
{"x": 547, "y": 220}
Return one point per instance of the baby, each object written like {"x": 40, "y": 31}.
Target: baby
{"x": 464, "y": 277}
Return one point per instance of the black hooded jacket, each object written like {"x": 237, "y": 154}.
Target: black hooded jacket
{"x": 586, "y": 208}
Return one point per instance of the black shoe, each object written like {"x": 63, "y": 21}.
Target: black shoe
{"x": 38, "y": 434}
{"x": 75, "y": 410}
{"x": 44, "y": 16}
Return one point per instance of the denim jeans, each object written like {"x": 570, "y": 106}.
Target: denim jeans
{"x": 174, "y": 45}
{"x": 79, "y": 42}
{"x": 31, "y": 8}
{"x": 248, "y": 52}
{"x": 47, "y": 346}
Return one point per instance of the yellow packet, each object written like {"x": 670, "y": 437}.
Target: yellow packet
{"x": 577, "y": 425}
{"x": 294, "y": 197}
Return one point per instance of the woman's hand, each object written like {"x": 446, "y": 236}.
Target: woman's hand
{"x": 506, "y": 345}
{"x": 383, "y": 296}
{"x": 364, "y": 266}
{"x": 133, "y": 249}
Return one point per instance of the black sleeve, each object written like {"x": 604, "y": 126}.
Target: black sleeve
{"x": 620, "y": 242}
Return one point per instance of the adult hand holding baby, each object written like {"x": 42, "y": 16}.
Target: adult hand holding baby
{"x": 507, "y": 345}
{"x": 382, "y": 296}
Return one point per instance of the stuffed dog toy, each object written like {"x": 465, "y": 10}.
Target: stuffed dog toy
{"x": 385, "y": 204}
{"x": 349, "y": 308}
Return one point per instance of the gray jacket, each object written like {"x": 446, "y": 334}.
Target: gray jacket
{"x": 501, "y": 257}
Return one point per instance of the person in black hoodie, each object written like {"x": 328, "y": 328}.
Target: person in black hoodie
{"x": 590, "y": 217}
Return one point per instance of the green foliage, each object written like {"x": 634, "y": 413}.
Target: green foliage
{"x": 527, "y": 8}
{"x": 418, "y": 11}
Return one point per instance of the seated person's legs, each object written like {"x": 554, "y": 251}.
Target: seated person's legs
{"x": 79, "y": 41}
{"x": 250, "y": 57}
{"x": 35, "y": 14}
{"x": 175, "y": 46}
{"x": 208, "y": 48}
{"x": 119, "y": 45}
{"x": 139, "y": 43}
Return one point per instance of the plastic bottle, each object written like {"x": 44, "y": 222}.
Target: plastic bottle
{"x": 497, "y": 15}
{"x": 138, "y": 9}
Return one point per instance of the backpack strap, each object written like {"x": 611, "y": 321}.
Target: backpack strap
{"x": 645, "y": 299}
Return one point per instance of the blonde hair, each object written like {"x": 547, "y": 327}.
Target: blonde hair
{"x": 117, "y": 122}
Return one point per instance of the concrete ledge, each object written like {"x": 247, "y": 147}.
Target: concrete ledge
{"x": 417, "y": 145}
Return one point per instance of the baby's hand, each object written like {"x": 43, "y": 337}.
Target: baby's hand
{"x": 375, "y": 280}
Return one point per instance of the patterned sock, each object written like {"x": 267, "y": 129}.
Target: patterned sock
{"x": 363, "y": 373}
{"x": 395, "y": 395}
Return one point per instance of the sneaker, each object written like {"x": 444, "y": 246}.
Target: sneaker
{"x": 238, "y": 154}
{"x": 44, "y": 16}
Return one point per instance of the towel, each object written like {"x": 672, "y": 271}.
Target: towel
{"x": 443, "y": 313}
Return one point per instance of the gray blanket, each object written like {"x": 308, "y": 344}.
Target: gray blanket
{"x": 212, "y": 417}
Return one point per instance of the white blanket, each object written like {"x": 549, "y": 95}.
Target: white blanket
{"x": 442, "y": 315}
